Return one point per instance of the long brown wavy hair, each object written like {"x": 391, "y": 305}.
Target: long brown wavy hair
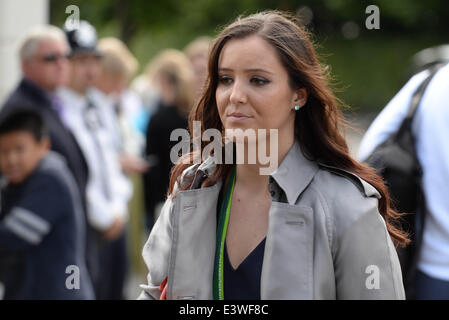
{"x": 317, "y": 124}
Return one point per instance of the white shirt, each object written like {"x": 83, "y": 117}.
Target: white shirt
{"x": 431, "y": 129}
{"x": 108, "y": 190}
{"x": 127, "y": 139}
{"x": 105, "y": 106}
{"x": 132, "y": 108}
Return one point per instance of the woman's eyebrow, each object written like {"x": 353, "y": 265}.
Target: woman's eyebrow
{"x": 246, "y": 70}
{"x": 258, "y": 70}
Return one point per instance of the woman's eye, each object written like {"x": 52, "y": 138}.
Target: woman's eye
{"x": 225, "y": 79}
{"x": 259, "y": 81}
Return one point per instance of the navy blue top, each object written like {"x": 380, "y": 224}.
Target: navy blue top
{"x": 244, "y": 282}
{"x": 42, "y": 234}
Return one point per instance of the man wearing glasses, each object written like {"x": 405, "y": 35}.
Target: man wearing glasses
{"x": 43, "y": 56}
{"x": 45, "y": 67}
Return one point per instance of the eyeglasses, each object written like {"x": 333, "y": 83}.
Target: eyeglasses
{"x": 53, "y": 57}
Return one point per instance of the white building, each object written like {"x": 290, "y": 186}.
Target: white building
{"x": 16, "y": 17}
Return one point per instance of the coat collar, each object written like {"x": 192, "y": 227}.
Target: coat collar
{"x": 293, "y": 175}
{"x": 35, "y": 90}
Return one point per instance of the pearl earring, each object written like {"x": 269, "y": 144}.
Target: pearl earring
{"x": 297, "y": 107}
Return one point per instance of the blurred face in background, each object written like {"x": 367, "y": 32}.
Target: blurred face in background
{"x": 199, "y": 64}
{"x": 48, "y": 67}
{"x": 20, "y": 154}
{"x": 167, "y": 89}
{"x": 110, "y": 83}
{"x": 84, "y": 72}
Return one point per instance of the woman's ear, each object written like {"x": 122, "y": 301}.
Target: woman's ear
{"x": 300, "y": 97}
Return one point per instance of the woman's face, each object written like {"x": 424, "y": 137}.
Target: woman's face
{"x": 253, "y": 89}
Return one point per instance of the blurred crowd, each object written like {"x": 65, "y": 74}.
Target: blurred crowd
{"x": 75, "y": 131}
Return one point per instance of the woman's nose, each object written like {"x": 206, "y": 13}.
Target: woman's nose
{"x": 238, "y": 93}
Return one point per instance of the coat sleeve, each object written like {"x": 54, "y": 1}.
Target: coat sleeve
{"x": 156, "y": 252}
{"x": 34, "y": 215}
{"x": 366, "y": 263}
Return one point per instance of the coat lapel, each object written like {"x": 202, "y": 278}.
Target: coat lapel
{"x": 287, "y": 271}
{"x": 194, "y": 232}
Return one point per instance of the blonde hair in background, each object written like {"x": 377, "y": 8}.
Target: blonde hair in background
{"x": 175, "y": 66}
{"x": 117, "y": 60}
{"x": 199, "y": 46}
{"x": 35, "y": 36}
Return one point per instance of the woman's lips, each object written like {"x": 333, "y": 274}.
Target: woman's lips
{"x": 238, "y": 117}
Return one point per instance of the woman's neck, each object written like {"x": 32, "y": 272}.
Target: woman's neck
{"x": 249, "y": 176}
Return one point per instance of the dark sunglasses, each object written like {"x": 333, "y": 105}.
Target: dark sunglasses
{"x": 53, "y": 57}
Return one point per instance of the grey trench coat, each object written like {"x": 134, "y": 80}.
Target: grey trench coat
{"x": 325, "y": 239}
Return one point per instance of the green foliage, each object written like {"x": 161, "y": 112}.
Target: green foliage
{"x": 369, "y": 69}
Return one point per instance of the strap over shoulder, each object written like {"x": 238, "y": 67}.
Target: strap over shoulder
{"x": 367, "y": 189}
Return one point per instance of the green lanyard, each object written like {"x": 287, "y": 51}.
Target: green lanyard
{"x": 221, "y": 237}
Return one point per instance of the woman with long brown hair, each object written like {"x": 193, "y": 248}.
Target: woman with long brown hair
{"x": 319, "y": 226}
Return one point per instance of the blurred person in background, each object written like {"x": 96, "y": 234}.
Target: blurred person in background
{"x": 42, "y": 223}
{"x": 122, "y": 106}
{"x": 172, "y": 75}
{"x": 143, "y": 86}
{"x": 43, "y": 55}
{"x": 119, "y": 108}
{"x": 197, "y": 51}
{"x": 108, "y": 190}
{"x": 430, "y": 128}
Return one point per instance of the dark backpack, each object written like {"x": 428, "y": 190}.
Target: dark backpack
{"x": 396, "y": 161}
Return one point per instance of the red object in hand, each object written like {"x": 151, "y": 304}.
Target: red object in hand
{"x": 163, "y": 289}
